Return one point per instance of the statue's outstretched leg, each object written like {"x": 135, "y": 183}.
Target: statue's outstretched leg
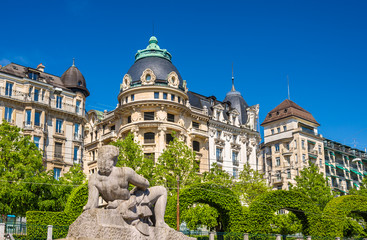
{"x": 158, "y": 198}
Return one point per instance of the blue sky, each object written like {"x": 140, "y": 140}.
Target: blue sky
{"x": 320, "y": 45}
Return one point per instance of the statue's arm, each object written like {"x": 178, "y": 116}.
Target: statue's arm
{"x": 92, "y": 195}
{"x": 136, "y": 179}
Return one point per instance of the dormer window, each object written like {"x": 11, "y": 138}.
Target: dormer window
{"x": 33, "y": 75}
{"x": 79, "y": 83}
{"x": 148, "y": 77}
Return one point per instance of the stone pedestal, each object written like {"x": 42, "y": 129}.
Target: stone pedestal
{"x": 105, "y": 224}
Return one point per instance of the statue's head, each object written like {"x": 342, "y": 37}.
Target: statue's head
{"x": 107, "y": 159}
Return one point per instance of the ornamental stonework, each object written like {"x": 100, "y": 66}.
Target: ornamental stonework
{"x": 126, "y": 82}
{"x": 173, "y": 80}
{"x": 148, "y": 77}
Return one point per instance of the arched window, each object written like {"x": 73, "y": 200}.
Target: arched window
{"x": 169, "y": 138}
{"x": 149, "y": 137}
{"x": 196, "y": 146}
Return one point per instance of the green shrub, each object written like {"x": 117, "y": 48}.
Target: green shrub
{"x": 37, "y": 221}
{"x": 228, "y": 205}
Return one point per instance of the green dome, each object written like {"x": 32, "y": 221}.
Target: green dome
{"x": 153, "y": 50}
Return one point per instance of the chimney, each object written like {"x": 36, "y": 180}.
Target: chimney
{"x": 40, "y": 67}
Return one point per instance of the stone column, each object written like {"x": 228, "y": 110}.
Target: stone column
{"x": 2, "y": 231}
{"x": 211, "y": 236}
{"x": 245, "y": 236}
{"x": 278, "y": 237}
{"x": 49, "y": 232}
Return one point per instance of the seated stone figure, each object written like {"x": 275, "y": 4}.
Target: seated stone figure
{"x": 141, "y": 207}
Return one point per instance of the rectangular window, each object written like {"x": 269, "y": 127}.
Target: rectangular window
{"x": 218, "y": 134}
{"x": 36, "y": 94}
{"x": 178, "y": 99}
{"x": 33, "y": 76}
{"x": 59, "y": 102}
{"x": 59, "y": 125}
{"x": 303, "y": 157}
{"x": 76, "y": 130}
{"x": 272, "y": 131}
{"x": 156, "y": 95}
{"x": 277, "y": 147}
{"x": 277, "y": 161}
{"x": 77, "y": 107}
{"x": 112, "y": 128}
{"x": 303, "y": 144}
{"x": 8, "y": 114}
{"x": 285, "y": 128}
{"x": 287, "y": 146}
{"x": 76, "y": 154}
{"x": 126, "y": 100}
{"x": 132, "y": 97}
{"x": 219, "y": 154}
{"x": 278, "y": 129}
{"x": 296, "y": 158}
{"x": 129, "y": 119}
{"x": 148, "y": 116}
{"x": 57, "y": 172}
{"x": 235, "y": 173}
{"x": 295, "y": 144}
{"x": 234, "y": 138}
{"x": 288, "y": 173}
{"x": 58, "y": 150}
{"x": 279, "y": 175}
{"x": 36, "y": 141}
{"x": 165, "y": 95}
{"x": 9, "y": 89}
{"x": 170, "y": 117}
{"x": 37, "y": 118}
{"x": 172, "y": 97}
{"x": 195, "y": 125}
{"x": 28, "y": 117}
{"x": 235, "y": 158}
{"x": 196, "y": 146}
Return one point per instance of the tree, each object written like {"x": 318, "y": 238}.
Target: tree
{"x": 313, "y": 184}
{"x": 217, "y": 176}
{"x": 20, "y": 162}
{"x": 131, "y": 155}
{"x": 362, "y": 188}
{"x": 200, "y": 215}
{"x": 177, "y": 163}
{"x": 249, "y": 185}
{"x": 286, "y": 224}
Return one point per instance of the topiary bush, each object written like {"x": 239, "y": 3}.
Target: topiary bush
{"x": 262, "y": 210}
{"x": 336, "y": 215}
{"x": 37, "y": 221}
{"x": 224, "y": 200}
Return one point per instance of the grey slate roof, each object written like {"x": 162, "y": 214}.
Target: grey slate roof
{"x": 237, "y": 102}
{"x": 160, "y": 66}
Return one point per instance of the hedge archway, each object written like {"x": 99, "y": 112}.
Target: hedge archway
{"x": 221, "y": 198}
{"x": 336, "y": 213}
{"x": 263, "y": 208}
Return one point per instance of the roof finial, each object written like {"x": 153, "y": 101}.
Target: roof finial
{"x": 289, "y": 93}
{"x": 233, "y": 89}
{"x": 73, "y": 62}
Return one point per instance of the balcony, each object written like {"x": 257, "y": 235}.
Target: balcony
{"x": 277, "y": 180}
{"x": 287, "y": 152}
{"x": 268, "y": 155}
{"x": 59, "y": 132}
{"x": 67, "y": 108}
{"x": 312, "y": 153}
{"x": 235, "y": 162}
{"x": 27, "y": 125}
{"x": 112, "y": 134}
{"x": 58, "y": 156}
{"x": 77, "y": 137}
{"x": 219, "y": 159}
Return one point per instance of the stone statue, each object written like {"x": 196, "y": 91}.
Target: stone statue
{"x": 134, "y": 214}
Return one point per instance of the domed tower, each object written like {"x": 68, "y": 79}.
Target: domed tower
{"x": 74, "y": 80}
{"x": 153, "y": 100}
{"x": 237, "y": 102}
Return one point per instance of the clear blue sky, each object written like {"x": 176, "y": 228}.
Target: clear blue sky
{"x": 321, "y": 45}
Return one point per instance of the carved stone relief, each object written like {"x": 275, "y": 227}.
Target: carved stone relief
{"x": 162, "y": 114}
{"x": 148, "y": 77}
{"x": 173, "y": 80}
{"x": 126, "y": 82}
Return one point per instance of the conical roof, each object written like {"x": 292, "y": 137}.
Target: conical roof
{"x": 288, "y": 109}
{"x": 74, "y": 80}
{"x": 237, "y": 102}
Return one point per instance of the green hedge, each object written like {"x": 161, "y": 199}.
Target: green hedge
{"x": 336, "y": 212}
{"x": 223, "y": 199}
{"x": 263, "y": 208}
{"x": 37, "y": 221}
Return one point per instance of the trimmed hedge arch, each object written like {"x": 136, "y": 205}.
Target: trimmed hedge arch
{"x": 37, "y": 221}
{"x": 221, "y": 198}
{"x": 336, "y": 213}
{"x": 262, "y": 210}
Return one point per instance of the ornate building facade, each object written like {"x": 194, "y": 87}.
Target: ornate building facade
{"x": 291, "y": 141}
{"x": 154, "y": 102}
{"x": 49, "y": 108}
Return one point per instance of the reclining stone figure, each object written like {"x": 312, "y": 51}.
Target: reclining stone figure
{"x": 141, "y": 207}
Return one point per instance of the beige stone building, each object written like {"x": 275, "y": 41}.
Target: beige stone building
{"x": 291, "y": 140}
{"x": 154, "y": 102}
{"x": 49, "y": 108}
